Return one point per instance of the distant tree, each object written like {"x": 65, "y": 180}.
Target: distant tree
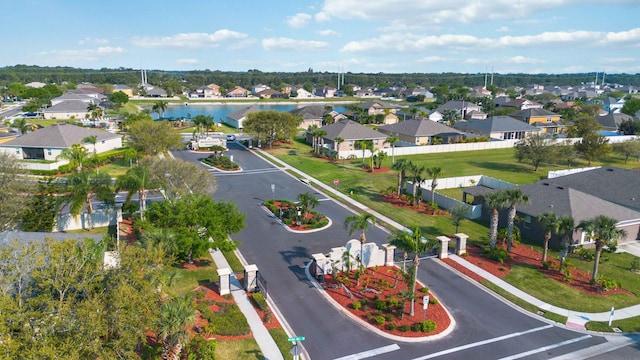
{"x": 402, "y": 166}
{"x": 629, "y": 127}
{"x": 306, "y": 201}
{"x": 584, "y": 125}
{"x": 39, "y": 215}
{"x": 137, "y": 180}
{"x": 16, "y": 191}
{"x": 153, "y": 137}
{"x": 76, "y": 154}
{"x": 631, "y": 106}
{"x": 630, "y": 148}
{"x": 160, "y": 107}
{"x": 535, "y": 148}
{"x": 119, "y": 98}
{"x": 593, "y": 147}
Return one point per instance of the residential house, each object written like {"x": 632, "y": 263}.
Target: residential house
{"x": 475, "y": 115}
{"x": 236, "y": 118}
{"x": 89, "y": 88}
{"x": 365, "y": 93}
{"x": 68, "y": 96}
{"x": 326, "y": 92}
{"x": 155, "y": 92}
{"x": 270, "y": 94}
{"x": 612, "y": 105}
{"x": 216, "y": 89}
{"x": 49, "y": 142}
{"x": 287, "y": 89}
{"x": 258, "y": 88}
{"x": 350, "y": 132}
{"x": 612, "y": 121}
{"x": 123, "y": 89}
{"x": 497, "y": 128}
{"x": 422, "y": 132}
{"x": 547, "y": 120}
{"x": 202, "y": 92}
{"x": 70, "y": 109}
{"x": 523, "y": 104}
{"x": 237, "y": 92}
{"x": 606, "y": 191}
{"x": 375, "y": 107}
{"x": 301, "y": 93}
{"x": 462, "y": 107}
{"x": 311, "y": 115}
{"x": 35, "y": 85}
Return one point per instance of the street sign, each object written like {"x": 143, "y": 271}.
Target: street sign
{"x": 425, "y": 302}
{"x": 295, "y": 350}
{"x": 297, "y": 338}
{"x": 336, "y": 182}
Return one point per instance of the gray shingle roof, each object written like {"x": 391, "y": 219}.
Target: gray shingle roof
{"x": 311, "y": 112}
{"x": 495, "y": 124}
{"x": 417, "y": 127}
{"x": 24, "y": 237}
{"x": 534, "y": 112}
{"x": 547, "y": 195}
{"x": 60, "y": 135}
{"x": 351, "y": 130}
{"x": 239, "y": 114}
{"x": 68, "y": 106}
{"x": 612, "y": 120}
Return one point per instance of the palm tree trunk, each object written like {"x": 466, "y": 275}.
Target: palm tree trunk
{"x": 596, "y": 263}
{"x": 547, "y": 236}
{"x": 416, "y": 262}
{"x": 399, "y": 183}
{"x": 512, "y": 217}
{"x": 493, "y": 229}
{"x": 89, "y": 212}
{"x": 142, "y": 197}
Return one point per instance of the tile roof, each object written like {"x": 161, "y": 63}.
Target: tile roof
{"x": 60, "y": 135}
{"x": 419, "y": 127}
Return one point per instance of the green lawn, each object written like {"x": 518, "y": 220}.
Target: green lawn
{"x": 181, "y": 281}
{"x": 244, "y": 349}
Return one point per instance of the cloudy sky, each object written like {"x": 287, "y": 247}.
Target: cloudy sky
{"x": 391, "y": 36}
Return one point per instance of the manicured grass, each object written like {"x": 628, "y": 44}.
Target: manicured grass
{"x": 116, "y": 168}
{"x": 280, "y": 338}
{"x": 626, "y": 325}
{"x": 244, "y": 349}
{"x": 530, "y": 280}
{"x": 523, "y": 304}
{"x": 234, "y": 262}
{"x": 182, "y": 281}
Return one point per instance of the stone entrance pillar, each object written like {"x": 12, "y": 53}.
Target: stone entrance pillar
{"x": 250, "y": 278}
{"x": 389, "y": 254}
{"x": 318, "y": 270}
{"x": 461, "y": 243}
{"x": 224, "y": 276}
{"x": 444, "y": 247}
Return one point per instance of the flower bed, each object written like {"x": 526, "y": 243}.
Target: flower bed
{"x": 221, "y": 162}
{"x": 377, "y": 298}
{"x": 287, "y": 211}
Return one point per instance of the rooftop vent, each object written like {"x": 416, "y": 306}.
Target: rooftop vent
{"x": 560, "y": 187}
{"x": 545, "y": 184}
{"x": 610, "y": 169}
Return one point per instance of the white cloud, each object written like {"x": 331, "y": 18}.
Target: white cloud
{"x": 503, "y": 29}
{"x": 618, "y": 60}
{"x": 432, "y": 59}
{"x": 298, "y": 20}
{"x": 282, "y": 43}
{"x": 187, "y": 61}
{"x": 522, "y": 60}
{"x": 327, "y": 32}
{"x": 189, "y": 40}
{"x": 322, "y": 17}
{"x": 85, "y": 54}
{"x": 90, "y": 40}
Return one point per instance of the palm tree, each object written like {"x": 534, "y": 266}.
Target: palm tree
{"x": 321, "y": 133}
{"x": 159, "y": 107}
{"x": 22, "y": 125}
{"x": 434, "y": 172}
{"x": 416, "y": 178}
{"x": 566, "y": 226}
{"x": 401, "y": 166}
{"x": 550, "y": 224}
{"x": 76, "y": 154}
{"x": 458, "y": 214}
{"x": 83, "y": 186}
{"x": 207, "y": 122}
{"x": 392, "y": 140}
{"x": 513, "y": 197}
{"x": 91, "y": 139}
{"x": 412, "y": 243}
{"x": 175, "y": 316}
{"x": 338, "y": 140}
{"x": 360, "y": 222}
{"x": 602, "y": 229}
{"x": 495, "y": 200}
{"x": 307, "y": 200}
{"x": 362, "y": 144}
{"x": 138, "y": 180}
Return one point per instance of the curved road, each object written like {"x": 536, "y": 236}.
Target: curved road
{"x": 487, "y": 328}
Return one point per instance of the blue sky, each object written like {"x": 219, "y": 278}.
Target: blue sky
{"x": 390, "y": 36}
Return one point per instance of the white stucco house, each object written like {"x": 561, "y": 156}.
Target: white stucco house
{"x": 40, "y": 149}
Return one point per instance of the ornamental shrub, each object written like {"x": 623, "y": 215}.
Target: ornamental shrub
{"x": 380, "y": 305}
{"x": 356, "y": 305}
{"x": 498, "y": 254}
{"x": 433, "y": 301}
{"x": 425, "y": 326}
{"x": 379, "y": 320}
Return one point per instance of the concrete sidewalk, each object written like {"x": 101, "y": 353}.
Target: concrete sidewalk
{"x": 576, "y": 319}
{"x": 267, "y": 345}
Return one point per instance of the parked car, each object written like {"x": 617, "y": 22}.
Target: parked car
{"x": 231, "y": 137}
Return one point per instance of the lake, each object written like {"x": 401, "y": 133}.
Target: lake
{"x": 220, "y": 111}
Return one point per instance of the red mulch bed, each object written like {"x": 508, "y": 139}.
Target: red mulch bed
{"x": 375, "y": 169}
{"x": 293, "y": 226}
{"x": 423, "y": 208}
{"x": 382, "y": 279}
{"x": 523, "y": 254}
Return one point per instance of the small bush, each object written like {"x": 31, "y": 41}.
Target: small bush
{"x": 260, "y": 301}
{"x": 607, "y": 283}
{"x": 380, "y": 305}
{"x": 389, "y": 317}
{"x": 424, "y": 290}
{"x": 498, "y": 254}
{"x": 200, "y": 349}
{"x": 393, "y": 302}
{"x": 635, "y": 264}
{"x": 433, "y": 301}
{"x": 200, "y": 294}
{"x": 547, "y": 265}
{"x": 356, "y": 305}
{"x": 379, "y": 320}
{"x": 404, "y": 328}
{"x": 391, "y": 326}
{"x": 425, "y": 326}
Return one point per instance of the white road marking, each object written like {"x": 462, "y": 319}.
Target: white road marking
{"x": 243, "y": 172}
{"x": 483, "y": 342}
{"x": 545, "y": 348}
{"x": 371, "y": 353}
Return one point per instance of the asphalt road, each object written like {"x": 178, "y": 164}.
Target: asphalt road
{"x": 486, "y": 327}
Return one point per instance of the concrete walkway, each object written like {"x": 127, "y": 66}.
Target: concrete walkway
{"x": 267, "y": 345}
{"x": 576, "y": 319}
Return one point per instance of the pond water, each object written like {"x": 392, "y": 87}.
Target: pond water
{"x": 220, "y": 111}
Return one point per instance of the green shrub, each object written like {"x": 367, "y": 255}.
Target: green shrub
{"x": 228, "y": 321}
{"x": 393, "y": 302}
{"x": 389, "y": 317}
{"x": 498, "y": 254}
{"x": 379, "y": 320}
{"x": 199, "y": 294}
{"x": 607, "y": 283}
{"x": 547, "y": 265}
{"x": 200, "y": 349}
{"x": 380, "y": 305}
{"x": 391, "y": 326}
{"x": 260, "y": 301}
{"x": 635, "y": 264}
{"x": 424, "y": 290}
{"x": 404, "y": 328}
{"x": 425, "y": 326}
{"x": 433, "y": 301}
{"x": 356, "y": 305}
